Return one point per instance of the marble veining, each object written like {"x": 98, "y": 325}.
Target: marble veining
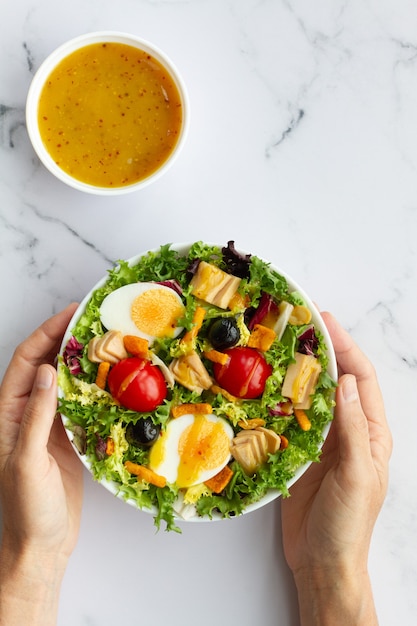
{"x": 11, "y": 119}
{"x": 293, "y": 124}
{"x": 72, "y": 232}
{"x": 303, "y": 149}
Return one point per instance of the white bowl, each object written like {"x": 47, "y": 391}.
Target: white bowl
{"x": 332, "y": 371}
{"x": 50, "y": 64}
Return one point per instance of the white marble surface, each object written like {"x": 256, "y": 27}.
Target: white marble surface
{"x": 303, "y": 149}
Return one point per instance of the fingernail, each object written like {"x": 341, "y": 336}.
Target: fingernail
{"x": 349, "y": 389}
{"x": 44, "y": 378}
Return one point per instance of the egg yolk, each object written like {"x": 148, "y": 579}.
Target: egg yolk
{"x": 156, "y": 312}
{"x": 203, "y": 446}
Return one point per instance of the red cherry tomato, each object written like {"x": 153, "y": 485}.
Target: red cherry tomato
{"x": 245, "y": 373}
{"x": 137, "y": 384}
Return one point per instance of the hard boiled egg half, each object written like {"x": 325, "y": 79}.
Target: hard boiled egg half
{"x": 192, "y": 449}
{"x": 148, "y": 310}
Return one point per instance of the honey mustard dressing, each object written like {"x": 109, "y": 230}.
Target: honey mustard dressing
{"x": 110, "y": 114}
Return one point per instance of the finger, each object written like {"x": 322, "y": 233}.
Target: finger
{"x": 38, "y": 417}
{"x": 349, "y": 355}
{"x": 353, "y": 361}
{"x": 351, "y": 422}
{"x": 40, "y": 347}
{"x": 70, "y": 465}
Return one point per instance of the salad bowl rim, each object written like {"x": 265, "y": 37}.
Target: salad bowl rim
{"x": 272, "y": 494}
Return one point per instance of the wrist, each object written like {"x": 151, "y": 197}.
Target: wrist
{"x": 30, "y": 584}
{"x": 335, "y": 595}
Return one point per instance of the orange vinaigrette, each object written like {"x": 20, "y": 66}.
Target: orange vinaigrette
{"x": 110, "y": 114}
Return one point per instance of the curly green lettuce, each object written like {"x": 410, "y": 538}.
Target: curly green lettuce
{"x": 87, "y": 407}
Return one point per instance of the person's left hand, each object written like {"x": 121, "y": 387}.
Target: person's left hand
{"x": 40, "y": 475}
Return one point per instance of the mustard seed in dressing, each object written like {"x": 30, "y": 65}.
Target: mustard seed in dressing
{"x": 110, "y": 114}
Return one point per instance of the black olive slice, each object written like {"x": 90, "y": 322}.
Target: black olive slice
{"x": 223, "y": 333}
{"x": 143, "y": 433}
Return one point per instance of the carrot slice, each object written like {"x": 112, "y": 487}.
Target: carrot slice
{"x": 252, "y": 423}
{"x": 102, "y": 371}
{"x": 302, "y": 419}
{"x": 284, "y": 442}
{"x": 145, "y": 474}
{"x": 109, "y": 446}
{"x": 216, "y": 389}
{"x": 137, "y": 346}
{"x": 261, "y": 337}
{"x": 199, "y": 408}
{"x": 215, "y": 356}
{"x": 220, "y": 480}
{"x": 198, "y": 319}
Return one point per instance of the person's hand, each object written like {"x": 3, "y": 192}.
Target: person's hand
{"x": 40, "y": 475}
{"x": 328, "y": 520}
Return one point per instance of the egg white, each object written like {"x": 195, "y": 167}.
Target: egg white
{"x": 169, "y": 464}
{"x": 115, "y": 310}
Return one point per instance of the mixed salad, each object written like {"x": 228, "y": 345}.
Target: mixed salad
{"x": 195, "y": 382}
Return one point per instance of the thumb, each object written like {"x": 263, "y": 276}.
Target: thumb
{"x": 350, "y": 422}
{"x": 39, "y": 414}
